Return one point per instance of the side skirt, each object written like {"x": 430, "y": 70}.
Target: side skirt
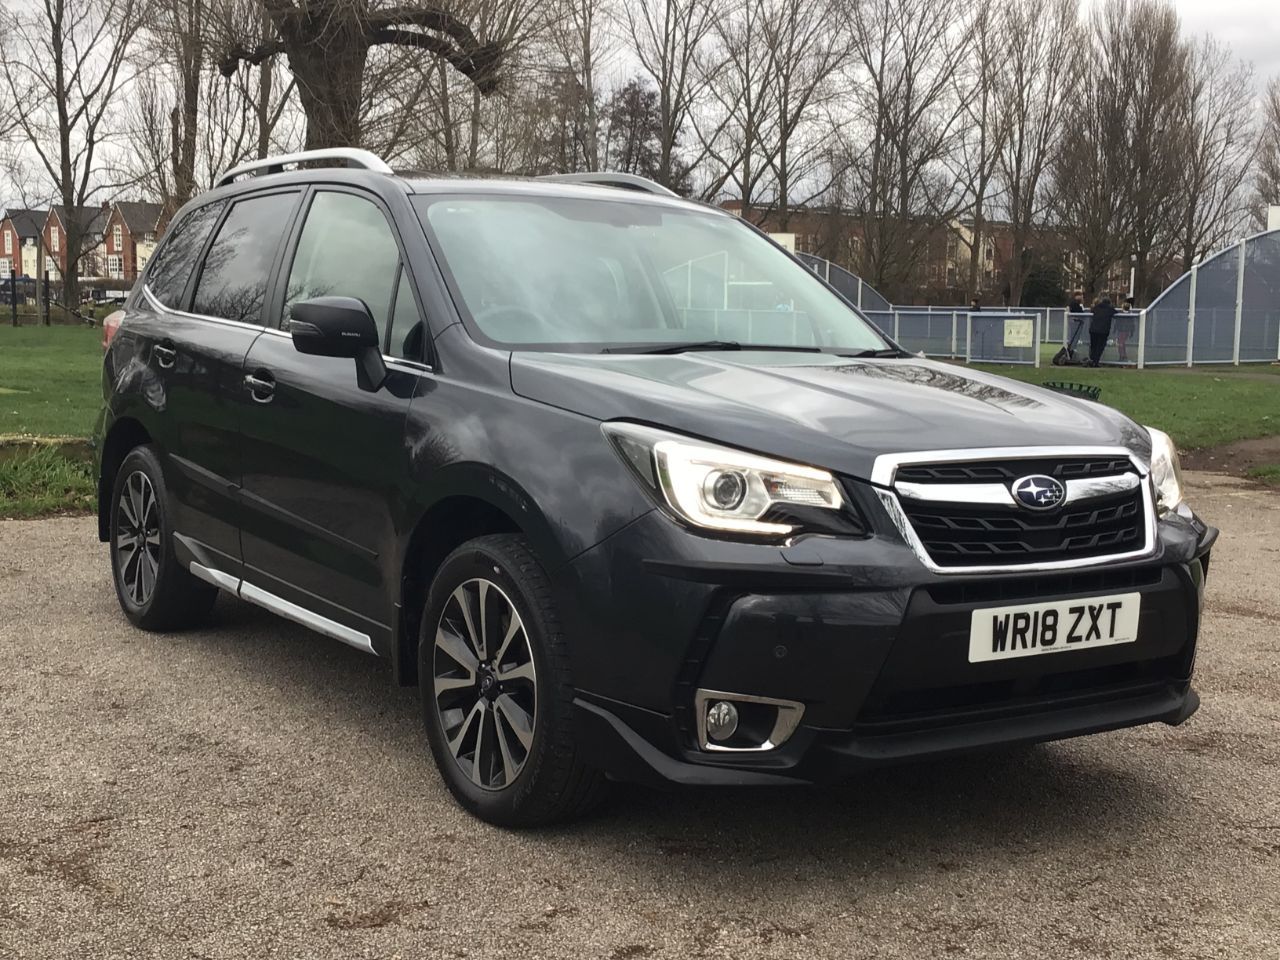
{"x": 284, "y": 608}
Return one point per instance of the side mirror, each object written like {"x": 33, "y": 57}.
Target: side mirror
{"x": 340, "y": 327}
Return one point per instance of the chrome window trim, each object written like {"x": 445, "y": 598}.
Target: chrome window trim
{"x": 410, "y": 366}
{"x": 885, "y": 469}
{"x": 157, "y": 305}
{"x": 285, "y": 608}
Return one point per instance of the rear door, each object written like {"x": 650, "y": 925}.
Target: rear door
{"x": 324, "y": 460}
{"x": 201, "y": 308}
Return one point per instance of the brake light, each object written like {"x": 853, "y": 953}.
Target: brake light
{"x": 109, "y": 328}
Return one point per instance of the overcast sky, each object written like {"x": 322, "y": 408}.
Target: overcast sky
{"x": 1251, "y": 27}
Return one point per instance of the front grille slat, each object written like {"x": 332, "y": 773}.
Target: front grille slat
{"x": 958, "y": 534}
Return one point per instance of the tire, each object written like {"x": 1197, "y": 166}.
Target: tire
{"x": 512, "y": 777}
{"x": 155, "y": 592}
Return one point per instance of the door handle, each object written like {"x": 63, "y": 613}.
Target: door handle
{"x": 165, "y": 355}
{"x": 262, "y": 387}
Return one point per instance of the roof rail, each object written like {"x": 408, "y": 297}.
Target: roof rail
{"x": 350, "y": 155}
{"x": 624, "y": 181}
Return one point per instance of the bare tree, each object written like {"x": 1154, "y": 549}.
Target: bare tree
{"x": 585, "y": 49}
{"x": 1267, "y": 179}
{"x": 64, "y": 62}
{"x": 673, "y": 41}
{"x": 327, "y": 44}
{"x": 906, "y": 54}
{"x": 738, "y": 132}
{"x": 981, "y": 144}
{"x": 807, "y": 47}
{"x": 1217, "y": 146}
{"x": 1033, "y": 87}
{"x": 1149, "y": 61}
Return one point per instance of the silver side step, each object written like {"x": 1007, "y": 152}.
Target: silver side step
{"x": 284, "y": 608}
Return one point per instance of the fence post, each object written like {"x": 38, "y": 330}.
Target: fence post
{"x": 1142, "y": 338}
{"x": 953, "y": 335}
{"x": 968, "y": 338}
{"x": 1191, "y": 315}
{"x": 896, "y": 322}
{"x": 859, "y": 293}
{"x": 13, "y": 296}
{"x": 1036, "y": 343}
{"x": 1235, "y": 343}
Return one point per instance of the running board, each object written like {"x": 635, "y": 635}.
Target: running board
{"x": 284, "y": 608}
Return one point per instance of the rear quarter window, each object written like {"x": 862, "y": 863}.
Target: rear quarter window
{"x": 170, "y": 267}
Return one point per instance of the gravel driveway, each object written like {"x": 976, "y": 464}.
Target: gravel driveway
{"x": 254, "y": 790}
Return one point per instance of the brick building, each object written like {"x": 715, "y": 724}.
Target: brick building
{"x": 130, "y": 234}
{"x": 92, "y": 220}
{"x": 20, "y": 242}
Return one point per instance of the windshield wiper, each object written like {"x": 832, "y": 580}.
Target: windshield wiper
{"x": 882, "y": 352}
{"x": 708, "y": 345}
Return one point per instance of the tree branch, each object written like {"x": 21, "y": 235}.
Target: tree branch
{"x": 480, "y": 63}
{"x": 239, "y": 52}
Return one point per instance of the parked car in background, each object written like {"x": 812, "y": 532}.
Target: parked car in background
{"x": 624, "y": 489}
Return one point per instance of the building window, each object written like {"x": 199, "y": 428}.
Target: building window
{"x": 117, "y": 237}
{"x": 50, "y": 267}
{"x": 115, "y": 266}
{"x": 6, "y": 267}
{"x": 55, "y": 241}
{"x": 8, "y": 242}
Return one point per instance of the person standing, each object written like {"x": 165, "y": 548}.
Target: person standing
{"x": 1100, "y": 328}
{"x": 975, "y": 305}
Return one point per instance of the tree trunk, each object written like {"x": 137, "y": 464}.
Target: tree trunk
{"x": 473, "y": 146}
{"x": 446, "y": 120}
{"x": 328, "y": 59}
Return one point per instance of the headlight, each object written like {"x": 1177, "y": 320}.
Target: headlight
{"x": 1166, "y": 471}
{"x": 731, "y": 491}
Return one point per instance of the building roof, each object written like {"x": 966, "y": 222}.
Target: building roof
{"x": 140, "y": 216}
{"x": 28, "y": 223}
{"x": 93, "y": 220}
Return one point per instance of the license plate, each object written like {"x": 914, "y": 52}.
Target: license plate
{"x": 1027, "y": 629}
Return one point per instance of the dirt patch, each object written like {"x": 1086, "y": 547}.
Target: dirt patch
{"x": 1236, "y": 458}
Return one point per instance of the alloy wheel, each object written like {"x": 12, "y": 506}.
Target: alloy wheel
{"x": 485, "y": 687}
{"x": 137, "y": 542}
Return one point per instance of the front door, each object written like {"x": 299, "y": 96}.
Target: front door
{"x": 324, "y": 460}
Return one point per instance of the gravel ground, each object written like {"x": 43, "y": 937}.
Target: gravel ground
{"x": 252, "y": 790}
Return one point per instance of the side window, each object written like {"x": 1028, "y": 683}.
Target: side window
{"x": 171, "y": 267}
{"x": 346, "y": 250}
{"x": 407, "y": 330}
{"x": 233, "y": 278}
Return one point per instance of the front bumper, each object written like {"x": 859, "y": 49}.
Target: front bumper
{"x": 872, "y": 644}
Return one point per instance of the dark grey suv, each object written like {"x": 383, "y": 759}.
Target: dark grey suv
{"x": 625, "y": 489}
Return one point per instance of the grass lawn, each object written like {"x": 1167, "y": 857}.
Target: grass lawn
{"x": 1200, "y": 407}
{"x": 50, "y": 380}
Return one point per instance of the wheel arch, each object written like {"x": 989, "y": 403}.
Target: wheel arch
{"x": 472, "y": 506}
{"x": 125, "y": 434}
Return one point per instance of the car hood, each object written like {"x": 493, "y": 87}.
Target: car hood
{"x": 820, "y": 409}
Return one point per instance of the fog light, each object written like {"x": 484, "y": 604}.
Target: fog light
{"x": 722, "y": 720}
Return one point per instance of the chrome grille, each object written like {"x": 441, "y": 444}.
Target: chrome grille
{"x": 959, "y": 514}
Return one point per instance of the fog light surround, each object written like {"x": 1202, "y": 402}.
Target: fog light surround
{"x": 743, "y": 723}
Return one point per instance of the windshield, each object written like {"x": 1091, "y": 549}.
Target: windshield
{"x": 570, "y": 274}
